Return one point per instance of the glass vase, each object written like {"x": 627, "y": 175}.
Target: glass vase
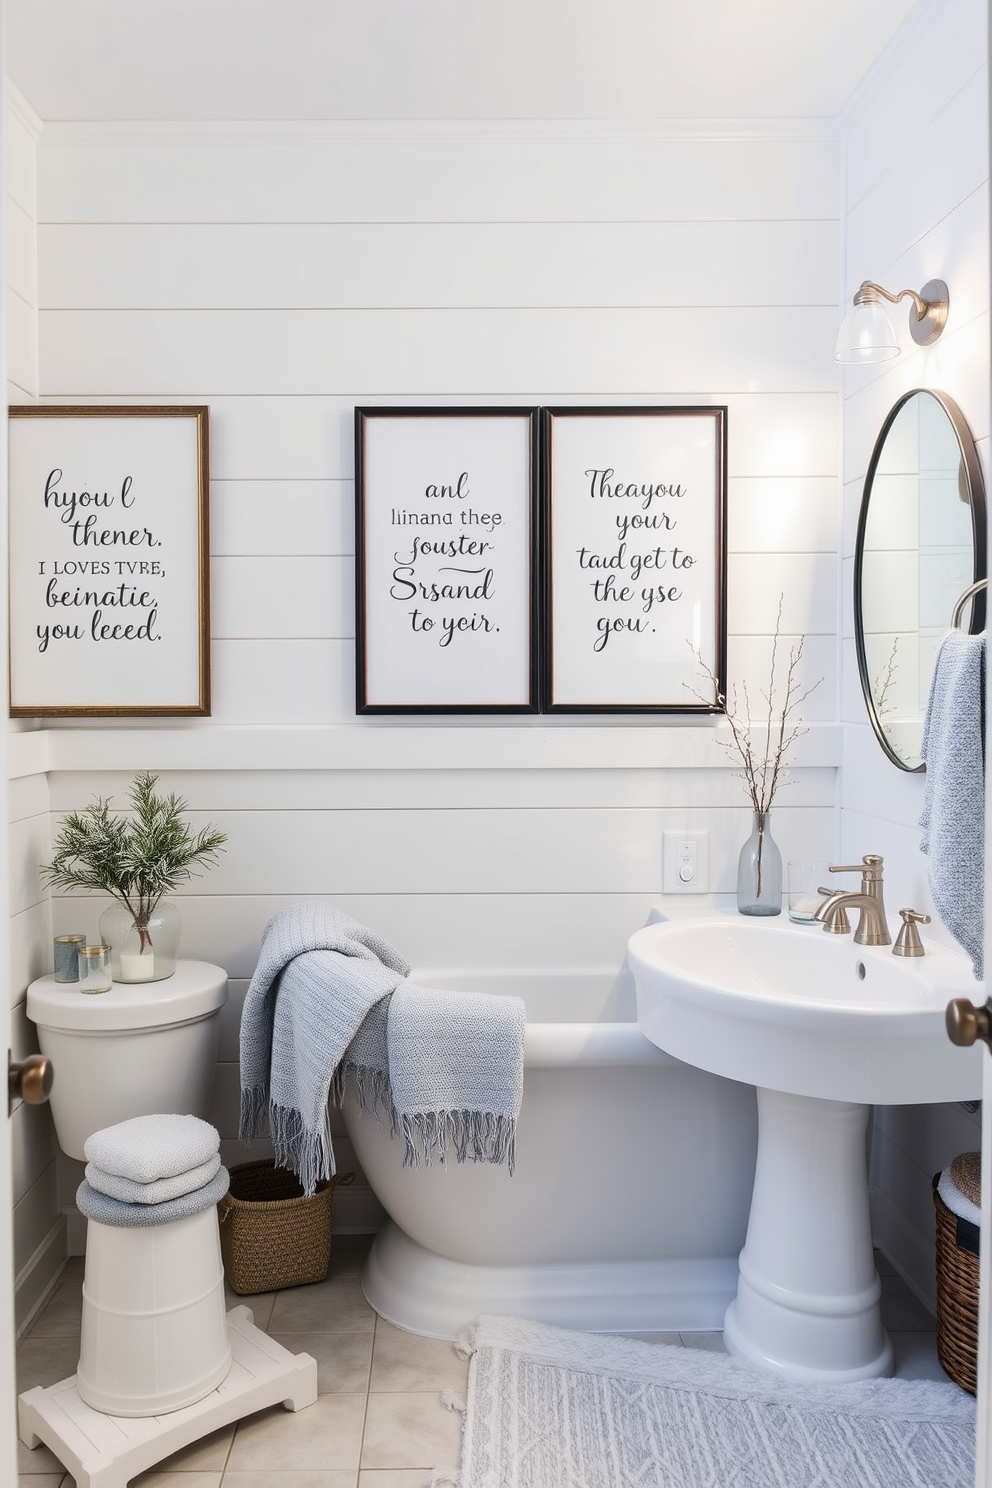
{"x": 142, "y": 952}
{"x": 759, "y": 870}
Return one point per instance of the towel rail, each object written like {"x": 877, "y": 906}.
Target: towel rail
{"x": 959, "y": 608}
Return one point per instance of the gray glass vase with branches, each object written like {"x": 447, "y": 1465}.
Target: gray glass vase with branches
{"x": 761, "y": 755}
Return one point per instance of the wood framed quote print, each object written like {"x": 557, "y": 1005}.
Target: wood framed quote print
{"x": 109, "y": 561}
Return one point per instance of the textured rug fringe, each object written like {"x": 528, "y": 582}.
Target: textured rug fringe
{"x": 452, "y": 1401}
{"x": 464, "y": 1344}
{"x": 445, "y": 1477}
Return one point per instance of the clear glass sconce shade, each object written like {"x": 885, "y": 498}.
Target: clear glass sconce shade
{"x": 866, "y": 335}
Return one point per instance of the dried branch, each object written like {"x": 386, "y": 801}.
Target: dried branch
{"x": 763, "y": 774}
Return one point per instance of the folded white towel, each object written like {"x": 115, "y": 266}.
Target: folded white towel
{"x": 158, "y": 1192}
{"x": 150, "y": 1147}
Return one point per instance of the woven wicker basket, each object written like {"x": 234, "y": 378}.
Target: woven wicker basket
{"x": 271, "y": 1234}
{"x": 957, "y": 1281}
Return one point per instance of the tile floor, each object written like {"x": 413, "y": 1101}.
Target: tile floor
{"x": 378, "y": 1421}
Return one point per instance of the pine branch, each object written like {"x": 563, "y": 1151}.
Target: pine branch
{"x": 136, "y": 859}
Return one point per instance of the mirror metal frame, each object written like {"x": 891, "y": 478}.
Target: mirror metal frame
{"x": 976, "y": 501}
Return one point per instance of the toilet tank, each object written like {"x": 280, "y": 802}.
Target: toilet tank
{"x": 138, "y": 1049}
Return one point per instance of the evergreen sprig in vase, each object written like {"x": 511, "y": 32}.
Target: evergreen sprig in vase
{"x": 137, "y": 859}
{"x": 763, "y": 765}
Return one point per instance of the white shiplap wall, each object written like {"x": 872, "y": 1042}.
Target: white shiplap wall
{"x": 917, "y": 206}
{"x": 39, "y": 1233}
{"x": 283, "y": 275}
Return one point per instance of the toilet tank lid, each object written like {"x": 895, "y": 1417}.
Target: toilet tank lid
{"x": 195, "y": 989}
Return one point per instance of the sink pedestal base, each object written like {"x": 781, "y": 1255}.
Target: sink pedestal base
{"x": 807, "y": 1300}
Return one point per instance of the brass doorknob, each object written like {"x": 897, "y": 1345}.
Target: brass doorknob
{"x": 29, "y": 1081}
{"x": 966, "y": 1023}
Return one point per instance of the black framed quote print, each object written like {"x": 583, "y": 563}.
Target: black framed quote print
{"x": 109, "y": 561}
{"x": 634, "y": 559}
{"x": 446, "y": 534}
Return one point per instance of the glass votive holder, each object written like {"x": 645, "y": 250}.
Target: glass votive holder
{"x": 803, "y": 884}
{"x": 94, "y": 969}
{"x": 66, "y": 950}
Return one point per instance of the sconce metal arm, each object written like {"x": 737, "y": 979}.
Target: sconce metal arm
{"x": 930, "y": 306}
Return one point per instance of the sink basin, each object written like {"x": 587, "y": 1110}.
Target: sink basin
{"x": 794, "y": 1009}
{"x": 823, "y": 1028}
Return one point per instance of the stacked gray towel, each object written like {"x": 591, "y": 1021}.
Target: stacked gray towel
{"x": 328, "y": 998}
{"x": 953, "y": 818}
{"x": 151, "y": 1170}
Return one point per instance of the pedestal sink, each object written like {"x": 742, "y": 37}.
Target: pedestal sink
{"x": 823, "y": 1028}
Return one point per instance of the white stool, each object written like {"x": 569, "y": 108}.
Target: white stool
{"x": 154, "y": 1328}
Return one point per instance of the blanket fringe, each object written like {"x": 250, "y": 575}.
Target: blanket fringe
{"x": 445, "y": 1477}
{"x": 474, "y": 1136}
{"x": 372, "y": 1090}
{"x": 253, "y": 1105}
{"x": 309, "y": 1154}
{"x": 452, "y": 1401}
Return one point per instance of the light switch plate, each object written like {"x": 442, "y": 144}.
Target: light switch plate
{"x": 685, "y": 862}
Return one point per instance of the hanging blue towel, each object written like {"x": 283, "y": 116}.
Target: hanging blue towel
{"x": 953, "y": 819}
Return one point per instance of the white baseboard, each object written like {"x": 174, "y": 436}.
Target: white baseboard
{"x": 37, "y": 1278}
{"x": 909, "y": 1250}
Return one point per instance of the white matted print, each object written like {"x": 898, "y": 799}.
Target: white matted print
{"x": 445, "y": 522}
{"x": 635, "y": 558}
{"x": 109, "y": 587}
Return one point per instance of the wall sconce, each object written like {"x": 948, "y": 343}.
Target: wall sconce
{"x": 867, "y": 333}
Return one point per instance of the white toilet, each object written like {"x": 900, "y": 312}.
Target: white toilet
{"x": 139, "y": 1049}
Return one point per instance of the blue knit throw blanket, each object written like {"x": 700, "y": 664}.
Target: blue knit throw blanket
{"x": 329, "y": 998}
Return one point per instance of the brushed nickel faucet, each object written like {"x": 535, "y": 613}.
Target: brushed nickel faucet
{"x": 872, "y": 929}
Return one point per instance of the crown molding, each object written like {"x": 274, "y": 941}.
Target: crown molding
{"x": 21, "y": 110}
{"x": 392, "y": 131}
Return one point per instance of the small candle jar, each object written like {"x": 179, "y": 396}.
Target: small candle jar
{"x": 94, "y": 969}
{"x": 66, "y": 956}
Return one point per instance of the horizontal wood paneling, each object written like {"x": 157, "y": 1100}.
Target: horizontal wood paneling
{"x": 432, "y": 791}
{"x": 806, "y": 583}
{"x": 22, "y": 253}
{"x": 409, "y": 176}
{"x": 114, "y": 266}
{"x": 905, "y": 103}
{"x": 482, "y": 851}
{"x": 267, "y": 517}
{"x": 896, "y": 212}
{"x": 309, "y": 598}
{"x": 399, "y": 352}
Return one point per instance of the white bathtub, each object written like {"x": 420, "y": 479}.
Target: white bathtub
{"x": 629, "y": 1204}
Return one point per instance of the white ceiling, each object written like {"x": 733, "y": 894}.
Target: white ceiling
{"x": 444, "y": 59}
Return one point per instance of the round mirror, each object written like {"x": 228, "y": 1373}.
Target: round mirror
{"x": 921, "y": 544}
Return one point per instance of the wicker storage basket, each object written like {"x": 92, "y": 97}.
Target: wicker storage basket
{"x": 957, "y": 1278}
{"x": 271, "y": 1234}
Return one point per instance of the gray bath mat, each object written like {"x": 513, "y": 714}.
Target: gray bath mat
{"x": 554, "y": 1409}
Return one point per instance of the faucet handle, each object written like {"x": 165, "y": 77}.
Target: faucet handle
{"x": 908, "y": 942}
{"x": 870, "y": 867}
